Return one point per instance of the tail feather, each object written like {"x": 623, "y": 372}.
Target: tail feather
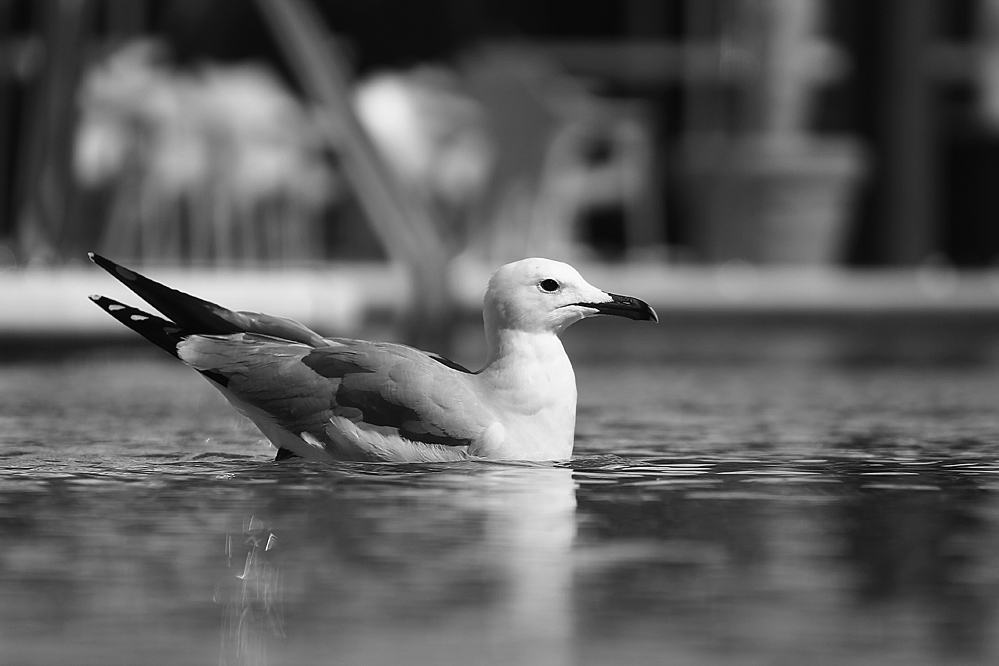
{"x": 163, "y": 333}
{"x": 190, "y": 312}
{"x": 196, "y": 315}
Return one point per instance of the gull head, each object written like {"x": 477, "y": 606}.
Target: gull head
{"x": 541, "y": 295}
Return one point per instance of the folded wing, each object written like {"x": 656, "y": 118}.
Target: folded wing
{"x": 349, "y": 397}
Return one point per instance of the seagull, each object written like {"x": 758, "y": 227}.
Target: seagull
{"x": 353, "y": 400}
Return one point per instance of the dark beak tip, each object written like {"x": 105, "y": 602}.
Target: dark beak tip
{"x": 626, "y": 306}
{"x": 648, "y": 314}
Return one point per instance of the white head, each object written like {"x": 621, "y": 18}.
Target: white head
{"x": 541, "y": 295}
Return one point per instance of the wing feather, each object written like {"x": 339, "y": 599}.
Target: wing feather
{"x": 382, "y": 385}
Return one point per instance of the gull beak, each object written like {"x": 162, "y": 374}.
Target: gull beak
{"x": 624, "y": 306}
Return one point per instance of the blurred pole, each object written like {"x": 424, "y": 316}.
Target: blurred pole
{"x": 45, "y": 189}
{"x": 703, "y": 111}
{"x": 910, "y": 202}
{"x": 402, "y": 222}
{"x": 987, "y": 62}
{"x": 787, "y": 72}
{"x": 645, "y": 218}
{"x": 7, "y": 56}
{"x": 794, "y": 58}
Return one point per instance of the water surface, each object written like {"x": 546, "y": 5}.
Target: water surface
{"x": 750, "y": 512}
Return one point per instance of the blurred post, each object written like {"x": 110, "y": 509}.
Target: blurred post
{"x": 910, "y": 201}
{"x": 44, "y": 191}
{"x": 791, "y": 57}
{"x": 7, "y": 67}
{"x": 402, "y": 222}
{"x": 987, "y": 62}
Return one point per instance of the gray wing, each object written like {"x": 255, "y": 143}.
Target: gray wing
{"x": 394, "y": 388}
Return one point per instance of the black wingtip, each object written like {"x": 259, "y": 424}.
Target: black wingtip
{"x": 117, "y": 270}
{"x": 161, "y": 332}
{"x": 192, "y": 313}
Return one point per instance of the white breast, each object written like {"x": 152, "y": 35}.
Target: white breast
{"x": 532, "y": 391}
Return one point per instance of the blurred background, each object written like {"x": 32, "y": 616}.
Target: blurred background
{"x": 226, "y": 134}
{"x": 804, "y": 189}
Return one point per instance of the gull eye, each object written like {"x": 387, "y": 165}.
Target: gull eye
{"x": 549, "y": 286}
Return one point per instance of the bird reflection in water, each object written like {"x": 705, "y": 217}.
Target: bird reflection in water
{"x": 414, "y": 564}
{"x": 252, "y": 598}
